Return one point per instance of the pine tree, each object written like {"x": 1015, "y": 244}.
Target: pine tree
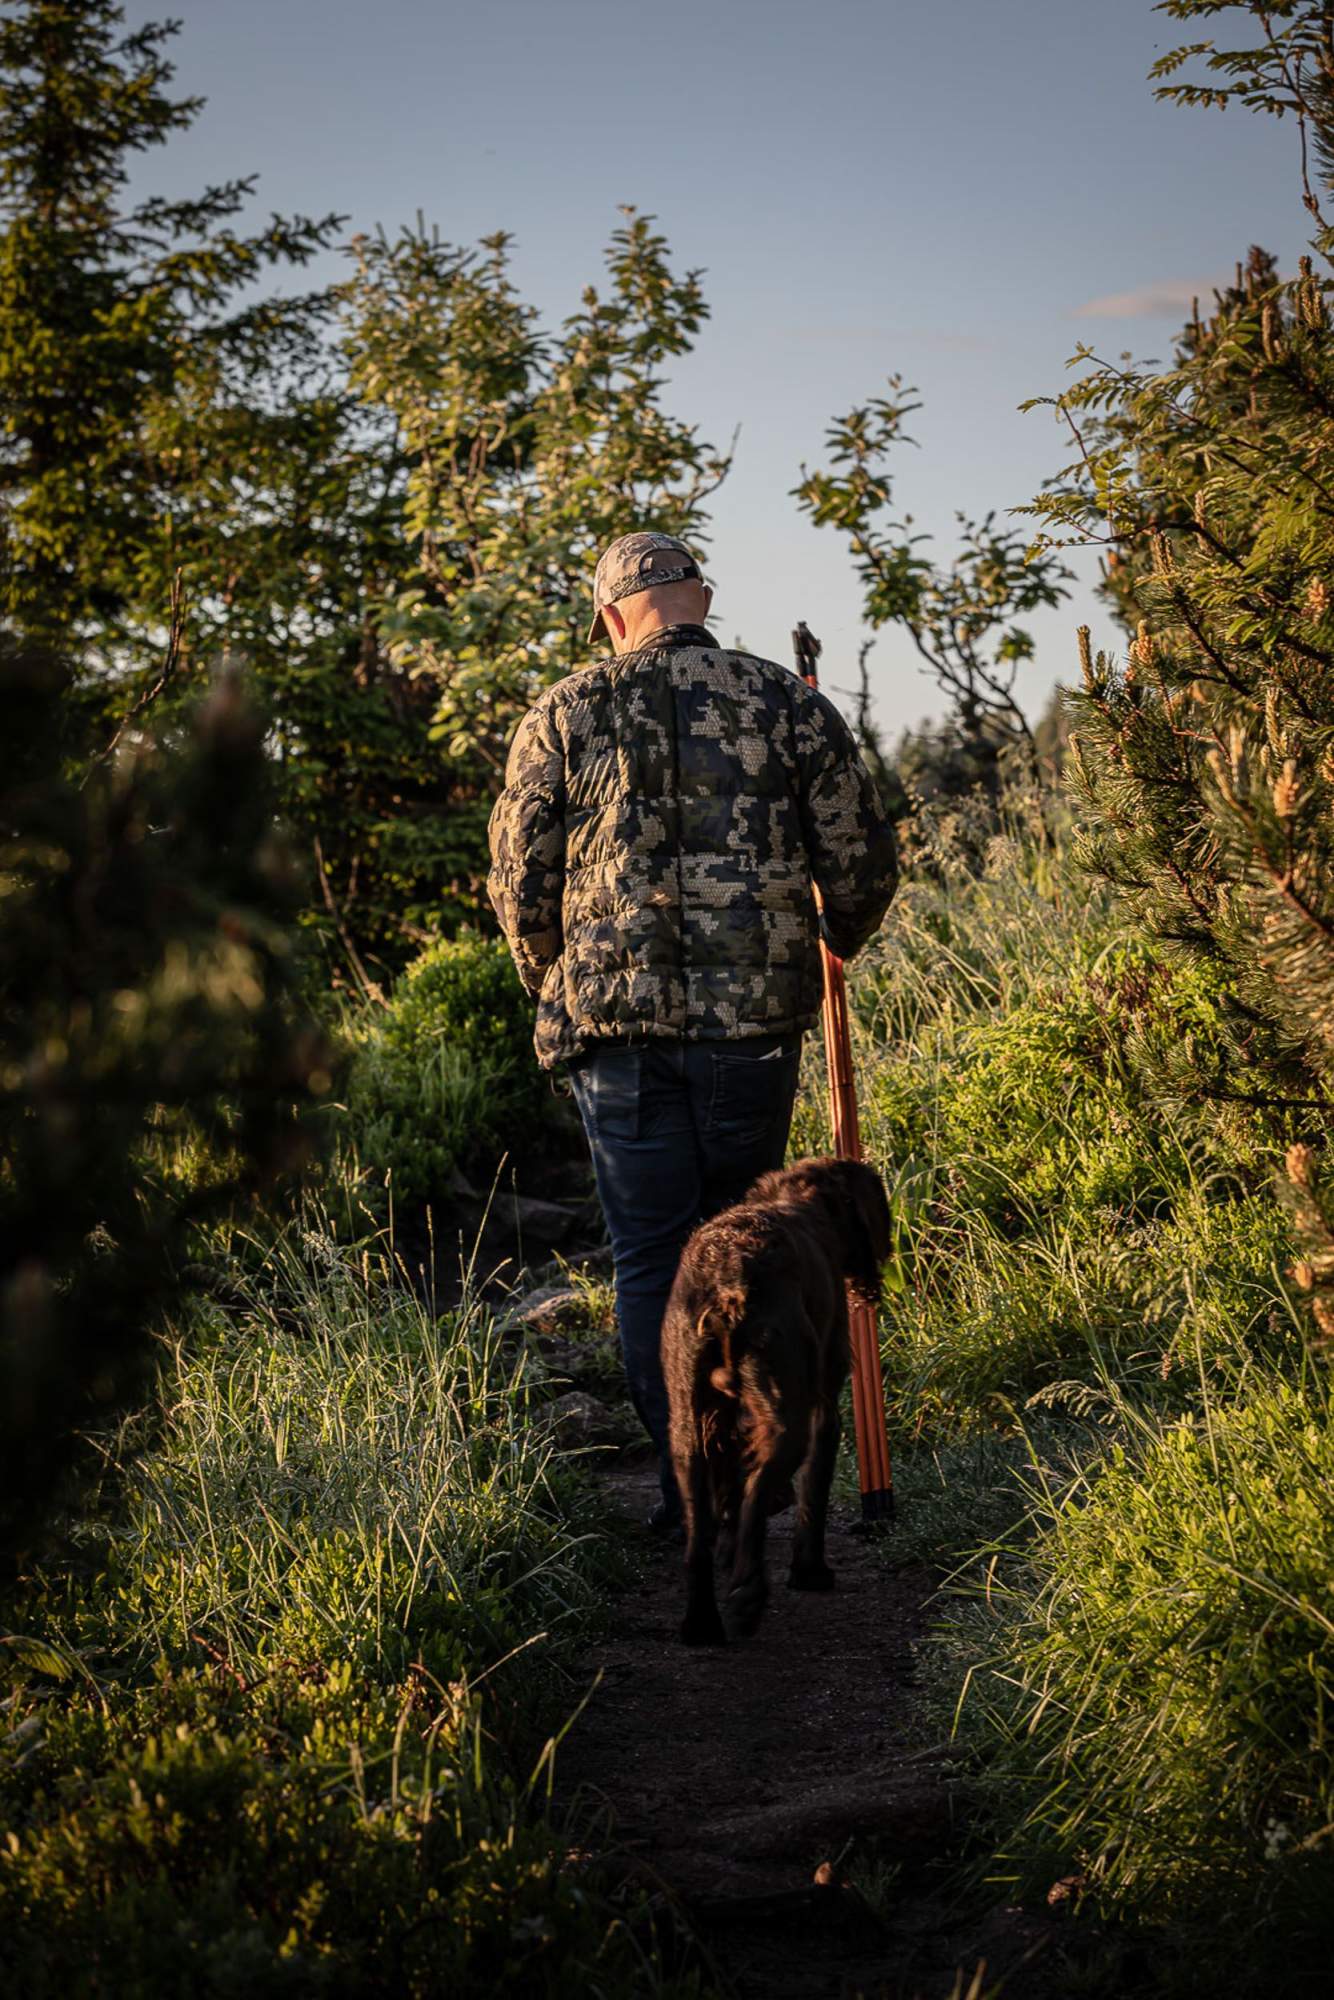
{"x": 169, "y": 421}
{"x": 110, "y": 319}
{"x": 153, "y": 1059}
{"x": 1204, "y": 762}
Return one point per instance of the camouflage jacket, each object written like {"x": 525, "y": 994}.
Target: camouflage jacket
{"x": 663, "y": 818}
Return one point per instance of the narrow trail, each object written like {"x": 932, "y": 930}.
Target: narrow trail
{"x": 722, "y": 1780}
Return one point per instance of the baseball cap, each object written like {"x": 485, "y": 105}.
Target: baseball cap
{"x": 637, "y": 562}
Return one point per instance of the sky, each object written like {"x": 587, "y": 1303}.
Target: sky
{"x": 955, "y": 191}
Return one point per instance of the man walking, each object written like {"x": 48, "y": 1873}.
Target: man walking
{"x": 667, "y": 814}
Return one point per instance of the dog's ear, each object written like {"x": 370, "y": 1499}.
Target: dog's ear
{"x": 867, "y": 1228}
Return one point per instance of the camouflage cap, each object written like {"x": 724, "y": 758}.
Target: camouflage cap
{"x": 637, "y": 562}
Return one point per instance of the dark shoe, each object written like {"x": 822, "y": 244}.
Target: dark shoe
{"x": 810, "y": 1576}
{"x": 703, "y": 1629}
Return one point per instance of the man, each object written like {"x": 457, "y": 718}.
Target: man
{"x": 665, "y": 815}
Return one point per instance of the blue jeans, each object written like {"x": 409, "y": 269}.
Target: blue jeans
{"x": 677, "y": 1130}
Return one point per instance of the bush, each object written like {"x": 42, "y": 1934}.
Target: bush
{"x": 445, "y": 1076}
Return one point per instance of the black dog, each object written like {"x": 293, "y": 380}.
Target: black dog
{"x": 755, "y": 1355}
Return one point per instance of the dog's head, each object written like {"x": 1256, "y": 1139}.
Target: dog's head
{"x": 853, "y": 1197}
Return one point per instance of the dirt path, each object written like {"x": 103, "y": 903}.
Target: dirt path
{"x": 723, "y": 1780}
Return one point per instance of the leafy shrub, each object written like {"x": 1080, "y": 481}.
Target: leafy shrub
{"x": 445, "y": 1077}
{"x": 464, "y": 989}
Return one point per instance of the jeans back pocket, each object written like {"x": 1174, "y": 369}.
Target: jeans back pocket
{"x": 613, "y": 1082}
{"x": 752, "y": 1092}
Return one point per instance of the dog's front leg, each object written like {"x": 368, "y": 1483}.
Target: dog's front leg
{"x": 702, "y": 1624}
{"x": 809, "y": 1569}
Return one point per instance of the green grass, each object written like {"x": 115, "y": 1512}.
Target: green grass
{"x": 1163, "y": 1688}
{"x": 279, "y": 1716}
{"x": 282, "y": 1722}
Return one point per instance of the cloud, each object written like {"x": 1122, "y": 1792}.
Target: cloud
{"x": 1169, "y": 299}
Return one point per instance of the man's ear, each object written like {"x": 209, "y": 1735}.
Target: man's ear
{"x": 708, "y": 598}
{"x": 614, "y": 620}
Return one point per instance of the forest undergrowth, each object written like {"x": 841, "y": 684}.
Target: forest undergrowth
{"x": 283, "y": 1703}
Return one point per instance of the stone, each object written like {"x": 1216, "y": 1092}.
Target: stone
{"x": 550, "y": 1310}
{"x": 580, "y": 1419}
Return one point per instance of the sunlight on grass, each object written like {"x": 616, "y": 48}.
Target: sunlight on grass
{"x": 1108, "y": 1431}
{"x": 291, "y": 1705}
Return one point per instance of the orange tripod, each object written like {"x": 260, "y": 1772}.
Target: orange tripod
{"x": 868, "y": 1391}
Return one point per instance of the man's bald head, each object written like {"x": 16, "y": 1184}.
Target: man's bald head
{"x": 634, "y": 620}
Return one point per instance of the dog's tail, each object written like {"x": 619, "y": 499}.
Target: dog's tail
{"x": 723, "y": 1322}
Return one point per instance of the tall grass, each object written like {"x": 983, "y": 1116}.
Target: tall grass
{"x": 340, "y": 1471}
{"x": 1053, "y": 1216}
{"x": 282, "y": 1722}
{"x": 1161, "y": 1700}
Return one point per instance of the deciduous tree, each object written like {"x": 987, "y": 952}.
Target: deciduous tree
{"x": 526, "y": 453}
{"x": 962, "y": 616}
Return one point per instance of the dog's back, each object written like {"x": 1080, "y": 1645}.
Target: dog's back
{"x": 748, "y": 1289}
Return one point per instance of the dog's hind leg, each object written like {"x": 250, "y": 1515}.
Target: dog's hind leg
{"x": 702, "y": 1624}
{"x": 749, "y": 1590}
{"x": 728, "y": 1483}
{"x": 809, "y": 1569}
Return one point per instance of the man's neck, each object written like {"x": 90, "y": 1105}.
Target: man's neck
{"x": 650, "y": 636}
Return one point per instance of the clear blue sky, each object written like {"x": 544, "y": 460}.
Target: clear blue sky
{"x": 942, "y": 188}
